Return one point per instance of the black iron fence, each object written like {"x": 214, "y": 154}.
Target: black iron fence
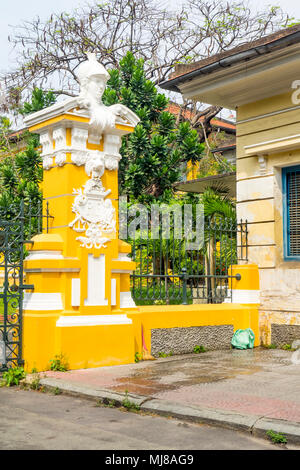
{"x": 18, "y": 223}
{"x": 169, "y": 271}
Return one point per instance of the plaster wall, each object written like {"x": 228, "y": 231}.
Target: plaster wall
{"x": 259, "y": 200}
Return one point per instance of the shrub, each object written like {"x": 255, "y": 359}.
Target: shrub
{"x": 276, "y": 437}
{"x": 13, "y": 376}
{"x": 199, "y": 349}
{"x": 59, "y": 363}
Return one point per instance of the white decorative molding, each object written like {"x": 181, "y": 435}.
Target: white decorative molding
{"x": 46, "y": 142}
{"x": 75, "y": 295}
{"x": 126, "y": 300}
{"x": 122, "y": 271}
{"x": 79, "y": 157}
{"x": 112, "y": 161}
{"x": 47, "y": 163}
{"x": 60, "y": 158}
{"x": 42, "y": 301}
{"x": 94, "y": 215}
{"x": 94, "y": 165}
{"x": 94, "y": 137}
{"x": 243, "y": 296}
{"x": 282, "y": 144}
{"x": 112, "y": 143}
{"x": 113, "y": 297}
{"x": 93, "y": 320}
{"x": 96, "y": 281}
{"x": 79, "y": 138}
{"x": 52, "y": 270}
{"x": 44, "y": 254}
{"x": 122, "y": 257}
{"x": 59, "y": 136}
{"x": 262, "y": 161}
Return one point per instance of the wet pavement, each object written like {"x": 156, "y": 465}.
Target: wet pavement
{"x": 255, "y": 382}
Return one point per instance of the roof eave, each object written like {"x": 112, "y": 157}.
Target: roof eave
{"x": 252, "y": 52}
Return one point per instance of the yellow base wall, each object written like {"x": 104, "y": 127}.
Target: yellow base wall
{"x": 39, "y": 339}
{"x": 177, "y": 316}
{"x": 95, "y": 346}
{"x": 81, "y": 346}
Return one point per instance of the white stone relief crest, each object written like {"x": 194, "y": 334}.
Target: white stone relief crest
{"x": 94, "y": 215}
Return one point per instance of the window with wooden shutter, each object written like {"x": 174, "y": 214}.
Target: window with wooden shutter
{"x": 291, "y": 212}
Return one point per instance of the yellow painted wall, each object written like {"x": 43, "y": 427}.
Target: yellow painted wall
{"x": 192, "y": 171}
{"x": 182, "y": 316}
{"x": 95, "y": 346}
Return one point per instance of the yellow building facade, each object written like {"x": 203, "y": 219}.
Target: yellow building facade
{"x": 261, "y": 80}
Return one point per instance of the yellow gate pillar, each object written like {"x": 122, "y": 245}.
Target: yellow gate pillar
{"x": 245, "y": 291}
{"x": 80, "y": 269}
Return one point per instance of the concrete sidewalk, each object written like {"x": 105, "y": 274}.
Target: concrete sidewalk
{"x": 253, "y": 390}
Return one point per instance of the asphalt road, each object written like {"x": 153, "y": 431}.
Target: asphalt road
{"x": 43, "y": 421}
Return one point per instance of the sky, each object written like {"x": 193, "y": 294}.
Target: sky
{"x": 14, "y": 12}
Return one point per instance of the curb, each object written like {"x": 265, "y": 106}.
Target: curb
{"x": 106, "y": 396}
{"x": 255, "y": 425}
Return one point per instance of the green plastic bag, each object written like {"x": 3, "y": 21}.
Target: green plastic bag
{"x": 243, "y": 339}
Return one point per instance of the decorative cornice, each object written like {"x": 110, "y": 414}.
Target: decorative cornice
{"x": 269, "y": 147}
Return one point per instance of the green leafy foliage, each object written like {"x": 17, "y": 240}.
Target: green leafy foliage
{"x": 199, "y": 349}
{"x": 20, "y": 176}
{"x": 269, "y": 346}
{"x": 39, "y": 100}
{"x": 163, "y": 354}
{"x": 153, "y": 153}
{"x": 218, "y": 204}
{"x": 138, "y": 357}
{"x": 21, "y": 172}
{"x": 34, "y": 383}
{"x": 5, "y": 129}
{"x": 129, "y": 405}
{"x": 13, "y": 376}
{"x": 276, "y": 437}
{"x": 59, "y": 363}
